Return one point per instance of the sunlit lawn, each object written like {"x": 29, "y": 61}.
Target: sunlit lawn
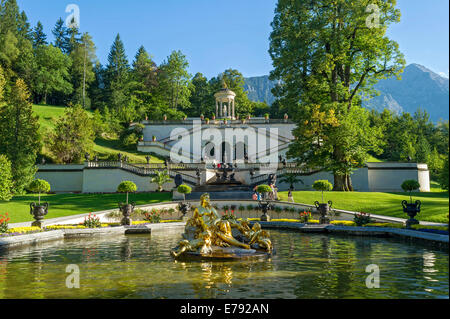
{"x": 103, "y": 147}
{"x": 434, "y": 204}
{"x": 72, "y": 204}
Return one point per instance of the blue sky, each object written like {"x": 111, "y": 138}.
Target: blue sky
{"x": 216, "y": 35}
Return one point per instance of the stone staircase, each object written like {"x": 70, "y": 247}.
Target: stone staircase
{"x": 230, "y": 190}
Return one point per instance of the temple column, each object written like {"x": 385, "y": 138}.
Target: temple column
{"x": 234, "y": 114}
{"x": 217, "y": 108}
{"x": 221, "y": 109}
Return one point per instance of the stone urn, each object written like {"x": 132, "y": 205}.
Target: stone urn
{"x": 38, "y": 212}
{"x": 412, "y": 209}
{"x": 323, "y": 209}
{"x": 126, "y": 210}
{"x": 265, "y": 206}
{"x": 184, "y": 209}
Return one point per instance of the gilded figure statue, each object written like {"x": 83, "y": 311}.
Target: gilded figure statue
{"x": 207, "y": 234}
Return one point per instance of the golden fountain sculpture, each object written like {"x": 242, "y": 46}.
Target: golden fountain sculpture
{"x": 207, "y": 235}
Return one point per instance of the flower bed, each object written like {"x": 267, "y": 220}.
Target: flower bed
{"x": 21, "y": 231}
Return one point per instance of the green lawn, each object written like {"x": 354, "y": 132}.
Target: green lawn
{"x": 104, "y": 148}
{"x": 72, "y": 204}
{"x": 434, "y": 204}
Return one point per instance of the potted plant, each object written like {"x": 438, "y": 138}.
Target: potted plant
{"x": 184, "y": 207}
{"x": 165, "y": 117}
{"x": 213, "y": 117}
{"x": 161, "y": 178}
{"x": 286, "y": 117}
{"x": 154, "y": 138}
{"x": 207, "y": 120}
{"x": 266, "y": 116}
{"x": 412, "y": 209}
{"x": 264, "y": 203}
{"x": 225, "y": 121}
{"x": 202, "y": 117}
{"x": 128, "y": 208}
{"x": 39, "y": 211}
{"x": 248, "y": 117}
{"x": 243, "y": 121}
{"x": 323, "y": 208}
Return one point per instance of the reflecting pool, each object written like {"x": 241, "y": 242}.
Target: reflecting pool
{"x": 305, "y": 266}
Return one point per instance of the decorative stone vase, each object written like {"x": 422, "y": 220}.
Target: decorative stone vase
{"x": 207, "y": 121}
{"x": 323, "y": 209}
{"x": 412, "y": 209}
{"x": 38, "y": 212}
{"x": 213, "y": 117}
{"x": 202, "y": 117}
{"x": 184, "y": 209}
{"x": 265, "y": 206}
{"x": 154, "y": 138}
{"x": 165, "y": 117}
{"x": 127, "y": 210}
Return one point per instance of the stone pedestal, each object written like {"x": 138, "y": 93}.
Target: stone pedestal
{"x": 176, "y": 195}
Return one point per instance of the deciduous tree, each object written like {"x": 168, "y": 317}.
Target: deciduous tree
{"x": 325, "y": 53}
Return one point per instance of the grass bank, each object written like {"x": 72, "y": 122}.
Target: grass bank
{"x": 103, "y": 147}
{"x": 434, "y": 204}
{"x": 72, "y": 204}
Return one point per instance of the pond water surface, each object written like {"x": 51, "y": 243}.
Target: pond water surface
{"x": 305, "y": 266}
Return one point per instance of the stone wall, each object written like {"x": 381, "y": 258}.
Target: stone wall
{"x": 375, "y": 177}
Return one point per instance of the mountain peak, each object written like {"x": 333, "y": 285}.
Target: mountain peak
{"x": 419, "y": 88}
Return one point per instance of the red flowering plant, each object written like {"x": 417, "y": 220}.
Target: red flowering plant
{"x": 4, "y": 219}
{"x": 361, "y": 219}
{"x": 92, "y": 221}
{"x": 305, "y": 216}
{"x": 229, "y": 215}
{"x": 154, "y": 216}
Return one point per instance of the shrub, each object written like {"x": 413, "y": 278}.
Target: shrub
{"x": 184, "y": 189}
{"x": 6, "y": 183}
{"x": 362, "y": 219}
{"x": 409, "y": 186}
{"x": 4, "y": 219}
{"x": 229, "y": 215}
{"x": 263, "y": 189}
{"x": 92, "y": 221}
{"x": 305, "y": 217}
{"x": 250, "y": 207}
{"x": 241, "y": 208}
{"x": 225, "y": 207}
{"x": 323, "y": 186}
{"x": 154, "y": 216}
{"x": 161, "y": 178}
{"x": 126, "y": 187}
{"x": 39, "y": 186}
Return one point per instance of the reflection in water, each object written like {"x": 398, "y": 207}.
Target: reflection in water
{"x": 304, "y": 266}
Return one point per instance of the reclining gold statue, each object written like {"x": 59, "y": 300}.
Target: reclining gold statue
{"x": 206, "y": 231}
